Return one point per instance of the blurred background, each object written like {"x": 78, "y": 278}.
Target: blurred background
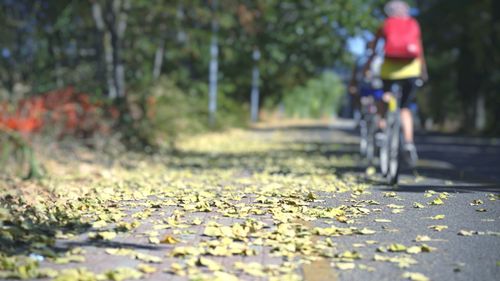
{"x": 145, "y": 72}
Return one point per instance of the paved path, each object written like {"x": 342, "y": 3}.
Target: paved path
{"x": 297, "y": 172}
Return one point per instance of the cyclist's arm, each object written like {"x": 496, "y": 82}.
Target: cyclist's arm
{"x": 372, "y": 47}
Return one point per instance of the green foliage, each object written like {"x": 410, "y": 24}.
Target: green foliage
{"x": 318, "y": 97}
{"x": 162, "y": 112}
{"x": 296, "y": 38}
{"x": 463, "y": 64}
{"x": 17, "y": 156}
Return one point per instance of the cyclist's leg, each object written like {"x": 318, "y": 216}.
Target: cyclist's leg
{"x": 382, "y": 102}
{"x": 408, "y": 94}
{"x": 408, "y": 91}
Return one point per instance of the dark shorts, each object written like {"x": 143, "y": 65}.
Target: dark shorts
{"x": 408, "y": 87}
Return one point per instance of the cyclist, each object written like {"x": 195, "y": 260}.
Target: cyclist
{"x": 365, "y": 89}
{"x": 403, "y": 64}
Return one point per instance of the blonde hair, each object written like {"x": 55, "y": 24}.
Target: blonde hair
{"x": 397, "y": 8}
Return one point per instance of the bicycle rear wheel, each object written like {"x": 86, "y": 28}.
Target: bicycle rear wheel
{"x": 393, "y": 150}
{"x": 384, "y": 147}
{"x": 363, "y": 140}
{"x": 370, "y": 144}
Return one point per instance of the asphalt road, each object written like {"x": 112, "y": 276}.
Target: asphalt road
{"x": 468, "y": 169}
{"x": 463, "y": 172}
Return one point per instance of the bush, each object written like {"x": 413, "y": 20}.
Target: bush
{"x": 319, "y": 97}
{"x": 160, "y": 114}
{"x": 164, "y": 112}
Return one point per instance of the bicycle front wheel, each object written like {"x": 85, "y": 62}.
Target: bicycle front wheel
{"x": 393, "y": 151}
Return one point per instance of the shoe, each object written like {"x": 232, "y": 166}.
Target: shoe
{"x": 411, "y": 156}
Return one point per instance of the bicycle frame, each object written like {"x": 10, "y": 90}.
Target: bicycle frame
{"x": 368, "y": 126}
{"x": 389, "y": 151}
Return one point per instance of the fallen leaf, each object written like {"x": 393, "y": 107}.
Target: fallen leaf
{"x": 476, "y": 202}
{"x": 422, "y": 238}
{"x": 438, "y": 227}
{"x": 437, "y": 217}
{"x": 382, "y": 220}
{"x": 103, "y": 235}
{"x": 390, "y": 194}
{"x": 415, "y": 276}
{"x": 169, "y": 240}
{"x": 122, "y": 273}
{"x": 418, "y": 205}
{"x": 436, "y": 201}
{"x": 465, "y": 232}
{"x": 154, "y": 240}
{"x": 396, "y": 247}
{"x": 414, "y": 250}
{"x": 146, "y": 268}
{"x": 252, "y": 268}
{"x": 210, "y": 264}
{"x": 345, "y": 265}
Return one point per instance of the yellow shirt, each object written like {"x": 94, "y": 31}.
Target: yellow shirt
{"x": 401, "y": 69}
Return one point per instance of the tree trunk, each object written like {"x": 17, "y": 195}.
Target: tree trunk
{"x": 108, "y": 55}
{"x": 120, "y": 8}
{"x": 254, "y": 96}
{"x": 113, "y": 26}
{"x": 214, "y": 66}
{"x": 160, "y": 50}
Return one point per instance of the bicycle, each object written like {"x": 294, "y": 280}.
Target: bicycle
{"x": 370, "y": 92}
{"x": 390, "y": 145}
{"x": 368, "y": 127}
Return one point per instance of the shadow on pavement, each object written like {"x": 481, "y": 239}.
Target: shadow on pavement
{"x": 460, "y": 188}
{"x": 470, "y": 163}
{"x": 113, "y": 244}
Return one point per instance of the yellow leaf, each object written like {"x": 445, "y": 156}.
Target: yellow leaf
{"x": 196, "y": 221}
{"x": 120, "y": 252}
{"x": 418, "y": 205}
{"x": 436, "y": 201}
{"x": 365, "y": 231}
{"x": 69, "y": 259}
{"x": 123, "y": 273}
{"x": 465, "y": 232}
{"x": 210, "y": 264}
{"x": 415, "y": 276}
{"x": 396, "y": 247}
{"x": 103, "y": 235}
{"x": 422, "y": 238}
{"x": 99, "y": 224}
{"x": 437, "y": 217}
{"x": 148, "y": 258}
{"x": 154, "y": 240}
{"x": 169, "y": 240}
{"x": 390, "y": 194}
{"x": 394, "y": 206}
{"x": 370, "y": 171}
{"x": 438, "y": 227}
{"x": 146, "y": 268}
{"x": 252, "y": 268}
{"x": 345, "y": 265}
{"x": 414, "y": 250}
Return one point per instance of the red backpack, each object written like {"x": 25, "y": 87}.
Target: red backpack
{"x": 402, "y": 38}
